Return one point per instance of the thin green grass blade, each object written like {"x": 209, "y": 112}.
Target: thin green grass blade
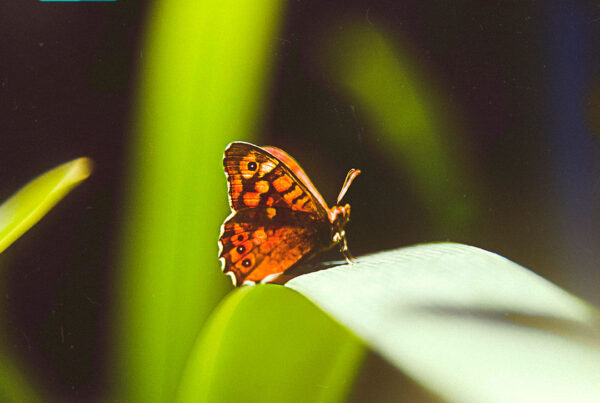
{"x": 203, "y": 76}
{"x": 468, "y": 324}
{"x": 17, "y": 215}
{"x": 267, "y": 343}
{"x": 26, "y": 207}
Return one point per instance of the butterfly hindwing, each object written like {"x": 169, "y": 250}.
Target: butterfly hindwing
{"x": 258, "y": 179}
{"x": 259, "y": 244}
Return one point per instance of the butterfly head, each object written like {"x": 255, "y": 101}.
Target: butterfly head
{"x": 340, "y": 215}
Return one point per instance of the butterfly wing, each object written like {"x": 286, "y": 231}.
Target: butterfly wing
{"x": 259, "y": 179}
{"x": 298, "y": 171}
{"x": 257, "y": 245}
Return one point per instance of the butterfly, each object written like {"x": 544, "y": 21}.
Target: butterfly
{"x": 278, "y": 217}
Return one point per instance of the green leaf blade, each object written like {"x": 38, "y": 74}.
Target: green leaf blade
{"x": 26, "y": 207}
{"x": 268, "y": 344}
{"x": 202, "y": 86}
{"x": 444, "y": 314}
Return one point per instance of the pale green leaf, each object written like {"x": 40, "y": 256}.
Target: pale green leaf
{"x": 468, "y": 324}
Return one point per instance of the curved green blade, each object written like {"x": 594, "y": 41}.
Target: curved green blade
{"x": 202, "y": 85}
{"x": 26, "y": 207}
{"x": 267, "y": 343}
{"x": 468, "y": 324}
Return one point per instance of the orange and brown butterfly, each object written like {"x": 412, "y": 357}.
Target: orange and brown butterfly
{"x": 278, "y": 217}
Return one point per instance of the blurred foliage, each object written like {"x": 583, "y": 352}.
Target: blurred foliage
{"x": 414, "y": 131}
{"x": 17, "y": 215}
{"x": 267, "y": 344}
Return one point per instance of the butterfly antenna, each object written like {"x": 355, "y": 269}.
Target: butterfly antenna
{"x": 353, "y": 173}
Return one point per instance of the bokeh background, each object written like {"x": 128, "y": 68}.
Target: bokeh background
{"x": 474, "y": 122}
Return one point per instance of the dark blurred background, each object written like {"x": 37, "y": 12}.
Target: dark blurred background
{"x": 517, "y": 84}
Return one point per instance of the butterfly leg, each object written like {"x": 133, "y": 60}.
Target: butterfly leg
{"x": 346, "y": 252}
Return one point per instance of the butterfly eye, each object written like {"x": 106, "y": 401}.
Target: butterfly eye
{"x": 252, "y": 166}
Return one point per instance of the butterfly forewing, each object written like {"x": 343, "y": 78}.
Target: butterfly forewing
{"x": 298, "y": 172}
{"x": 257, "y": 179}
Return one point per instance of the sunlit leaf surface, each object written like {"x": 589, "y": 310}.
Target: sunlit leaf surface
{"x": 26, "y": 207}
{"x": 267, "y": 343}
{"x": 468, "y": 324}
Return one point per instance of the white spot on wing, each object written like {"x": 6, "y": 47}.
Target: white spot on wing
{"x": 233, "y": 279}
{"x": 270, "y": 277}
{"x": 266, "y": 167}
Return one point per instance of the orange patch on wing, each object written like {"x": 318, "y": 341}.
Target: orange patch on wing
{"x": 271, "y": 212}
{"x": 259, "y": 236}
{"x": 270, "y": 201}
{"x": 251, "y": 199}
{"x": 261, "y": 186}
{"x": 300, "y": 202}
{"x": 289, "y": 197}
{"x": 282, "y": 183}
{"x": 237, "y": 187}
